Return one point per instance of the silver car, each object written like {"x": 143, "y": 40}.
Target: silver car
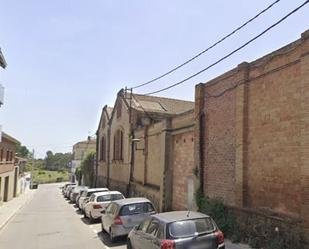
{"x": 178, "y": 229}
{"x": 122, "y": 215}
{"x": 69, "y": 190}
{"x": 64, "y": 188}
{"x": 75, "y": 192}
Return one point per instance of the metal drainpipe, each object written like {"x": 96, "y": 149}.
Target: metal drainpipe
{"x": 132, "y": 145}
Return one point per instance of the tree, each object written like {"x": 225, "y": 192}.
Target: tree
{"x": 22, "y": 151}
{"x": 87, "y": 169}
{"x": 57, "y": 161}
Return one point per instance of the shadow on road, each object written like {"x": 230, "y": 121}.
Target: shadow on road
{"x": 104, "y": 237}
{"x": 85, "y": 220}
{"x": 79, "y": 212}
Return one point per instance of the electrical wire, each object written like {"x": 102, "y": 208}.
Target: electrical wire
{"x": 233, "y": 52}
{"x": 210, "y": 47}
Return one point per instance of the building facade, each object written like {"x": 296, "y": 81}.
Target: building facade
{"x": 8, "y": 170}
{"x": 80, "y": 151}
{"x": 102, "y": 147}
{"x": 138, "y": 139}
{"x": 252, "y": 135}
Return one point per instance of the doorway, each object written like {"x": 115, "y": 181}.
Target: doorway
{"x": 6, "y": 188}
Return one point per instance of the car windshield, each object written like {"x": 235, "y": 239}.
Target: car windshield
{"x": 136, "y": 208}
{"x": 190, "y": 228}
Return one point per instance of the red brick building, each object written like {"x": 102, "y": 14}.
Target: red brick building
{"x": 252, "y": 134}
{"x": 8, "y": 170}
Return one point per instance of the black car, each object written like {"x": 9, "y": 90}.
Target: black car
{"x": 177, "y": 230}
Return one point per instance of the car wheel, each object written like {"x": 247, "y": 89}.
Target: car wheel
{"x": 129, "y": 245}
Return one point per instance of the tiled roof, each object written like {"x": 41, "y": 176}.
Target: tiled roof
{"x": 160, "y": 104}
{"x": 8, "y": 137}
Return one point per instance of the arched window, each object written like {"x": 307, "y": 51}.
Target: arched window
{"x": 103, "y": 149}
{"x": 118, "y": 145}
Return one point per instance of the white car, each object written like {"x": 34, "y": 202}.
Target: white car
{"x": 98, "y": 202}
{"x": 86, "y": 195}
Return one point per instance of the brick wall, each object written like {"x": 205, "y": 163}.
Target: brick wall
{"x": 183, "y": 168}
{"x": 256, "y": 133}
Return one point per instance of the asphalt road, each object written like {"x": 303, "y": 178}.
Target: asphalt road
{"x": 48, "y": 221}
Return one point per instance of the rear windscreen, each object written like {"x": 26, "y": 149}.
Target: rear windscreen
{"x": 189, "y": 228}
{"x": 136, "y": 208}
{"x": 92, "y": 192}
{"x": 111, "y": 197}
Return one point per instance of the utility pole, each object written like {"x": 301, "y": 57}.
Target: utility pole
{"x": 131, "y": 143}
{"x": 32, "y": 166}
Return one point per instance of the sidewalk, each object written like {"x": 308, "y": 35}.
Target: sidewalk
{"x": 9, "y": 209}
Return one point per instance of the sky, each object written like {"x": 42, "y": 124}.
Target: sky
{"x": 68, "y": 58}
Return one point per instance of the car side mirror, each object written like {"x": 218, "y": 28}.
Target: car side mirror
{"x": 103, "y": 212}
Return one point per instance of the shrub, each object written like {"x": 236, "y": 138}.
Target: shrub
{"x": 216, "y": 209}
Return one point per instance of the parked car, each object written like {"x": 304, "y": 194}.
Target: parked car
{"x": 68, "y": 190}
{"x": 179, "y": 229}
{"x": 98, "y": 202}
{"x": 75, "y": 192}
{"x": 86, "y": 195}
{"x": 64, "y": 188}
{"x": 121, "y": 216}
{"x": 78, "y": 196}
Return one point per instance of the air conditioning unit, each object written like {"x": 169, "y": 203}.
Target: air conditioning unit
{"x": 1, "y": 95}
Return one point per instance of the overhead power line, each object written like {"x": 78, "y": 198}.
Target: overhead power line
{"x": 233, "y": 52}
{"x": 210, "y": 47}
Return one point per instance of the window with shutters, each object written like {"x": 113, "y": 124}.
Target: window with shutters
{"x": 118, "y": 145}
{"x": 103, "y": 149}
